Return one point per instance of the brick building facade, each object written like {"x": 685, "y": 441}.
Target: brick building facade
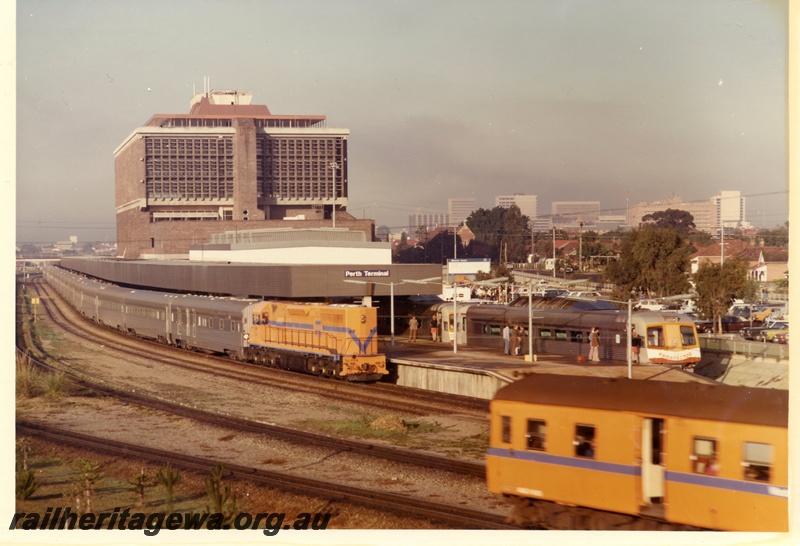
{"x": 227, "y": 165}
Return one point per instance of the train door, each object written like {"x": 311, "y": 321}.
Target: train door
{"x": 653, "y": 461}
{"x": 168, "y": 321}
{"x": 447, "y": 334}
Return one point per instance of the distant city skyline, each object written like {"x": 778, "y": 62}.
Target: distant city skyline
{"x": 608, "y": 101}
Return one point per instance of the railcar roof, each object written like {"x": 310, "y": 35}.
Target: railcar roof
{"x": 768, "y": 407}
{"x": 569, "y": 304}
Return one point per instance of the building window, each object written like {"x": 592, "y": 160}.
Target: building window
{"x": 757, "y": 462}
{"x": 537, "y": 435}
{"x": 704, "y": 456}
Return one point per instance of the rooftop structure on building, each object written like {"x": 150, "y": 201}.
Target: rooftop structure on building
{"x": 331, "y": 246}
{"x": 227, "y": 165}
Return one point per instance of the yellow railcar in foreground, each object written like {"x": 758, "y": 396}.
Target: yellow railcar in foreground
{"x": 597, "y": 453}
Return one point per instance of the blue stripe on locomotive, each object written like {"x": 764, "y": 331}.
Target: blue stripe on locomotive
{"x": 362, "y": 346}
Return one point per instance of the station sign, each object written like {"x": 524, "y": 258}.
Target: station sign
{"x": 365, "y": 273}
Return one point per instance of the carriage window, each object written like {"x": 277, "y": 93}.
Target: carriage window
{"x": 561, "y": 335}
{"x": 537, "y": 434}
{"x": 655, "y": 336}
{"x": 492, "y": 329}
{"x": 576, "y": 336}
{"x": 704, "y": 456}
{"x": 506, "y": 429}
{"x": 545, "y": 334}
{"x": 687, "y": 335}
{"x": 584, "y": 441}
{"x": 757, "y": 461}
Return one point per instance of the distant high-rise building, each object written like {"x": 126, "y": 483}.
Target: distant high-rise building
{"x": 702, "y": 211}
{"x": 226, "y": 165}
{"x": 574, "y": 213}
{"x": 528, "y": 204}
{"x": 729, "y": 209}
{"x": 428, "y": 220}
{"x": 459, "y": 209}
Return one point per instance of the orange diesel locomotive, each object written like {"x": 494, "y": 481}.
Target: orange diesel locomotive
{"x": 596, "y": 453}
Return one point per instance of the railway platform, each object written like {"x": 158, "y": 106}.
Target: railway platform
{"x": 480, "y": 372}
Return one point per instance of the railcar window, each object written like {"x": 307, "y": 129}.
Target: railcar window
{"x": 687, "y": 335}
{"x": 757, "y": 461}
{"x": 561, "y": 335}
{"x": 537, "y": 435}
{"x": 704, "y": 456}
{"x": 584, "y": 441}
{"x": 506, "y": 429}
{"x": 655, "y": 336}
{"x": 545, "y": 334}
{"x": 576, "y": 336}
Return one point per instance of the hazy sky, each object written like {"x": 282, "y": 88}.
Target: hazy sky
{"x": 592, "y": 100}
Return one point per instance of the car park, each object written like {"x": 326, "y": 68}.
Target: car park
{"x": 730, "y": 323}
{"x": 584, "y": 295}
{"x": 781, "y": 337}
{"x": 761, "y": 333}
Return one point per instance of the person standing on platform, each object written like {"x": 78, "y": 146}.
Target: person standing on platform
{"x": 413, "y": 326}
{"x": 520, "y": 340}
{"x": 514, "y": 340}
{"x": 434, "y": 328}
{"x": 594, "y": 345}
{"x": 636, "y": 343}
{"x": 506, "y": 338}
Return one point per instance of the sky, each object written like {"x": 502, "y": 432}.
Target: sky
{"x": 609, "y": 100}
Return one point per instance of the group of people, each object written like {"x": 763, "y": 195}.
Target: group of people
{"x": 512, "y": 339}
{"x": 594, "y": 345}
{"x": 413, "y": 326}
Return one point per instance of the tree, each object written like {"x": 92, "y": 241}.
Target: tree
{"x": 652, "y": 261}
{"x": 504, "y": 229}
{"x": 718, "y": 285}
{"x": 679, "y": 220}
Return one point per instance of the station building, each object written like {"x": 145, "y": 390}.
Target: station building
{"x": 227, "y": 165}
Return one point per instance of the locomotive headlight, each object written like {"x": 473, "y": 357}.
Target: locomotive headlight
{"x": 246, "y": 336}
{"x": 363, "y": 319}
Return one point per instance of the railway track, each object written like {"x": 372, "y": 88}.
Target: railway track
{"x": 454, "y": 515}
{"x": 382, "y": 396}
{"x": 251, "y": 426}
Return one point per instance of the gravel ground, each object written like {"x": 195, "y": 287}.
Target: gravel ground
{"x": 455, "y": 435}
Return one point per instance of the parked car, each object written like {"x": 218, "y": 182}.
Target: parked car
{"x": 584, "y": 295}
{"x": 781, "y": 337}
{"x": 730, "y": 323}
{"x": 650, "y": 305}
{"x": 768, "y": 334}
{"x": 555, "y": 293}
{"x": 755, "y": 332}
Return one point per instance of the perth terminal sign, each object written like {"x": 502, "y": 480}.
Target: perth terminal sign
{"x": 365, "y": 273}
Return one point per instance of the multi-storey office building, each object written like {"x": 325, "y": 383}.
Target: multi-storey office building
{"x": 223, "y": 166}
{"x": 528, "y": 204}
{"x": 459, "y": 209}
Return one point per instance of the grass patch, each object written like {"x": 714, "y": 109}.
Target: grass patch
{"x": 27, "y": 379}
{"x": 367, "y": 426}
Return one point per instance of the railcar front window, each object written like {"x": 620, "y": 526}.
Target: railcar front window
{"x": 655, "y": 336}
{"x": 704, "y": 456}
{"x": 687, "y": 334}
{"x": 537, "y": 435}
{"x": 757, "y": 462}
{"x": 506, "y": 428}
{"x": 584, "y": 441}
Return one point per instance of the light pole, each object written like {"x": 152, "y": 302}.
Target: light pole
{"x": 580, "y": 247}
{"x": 391, "y": 300}
{"x": 333, "y": 165}
{"x": 554, "y": 252}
